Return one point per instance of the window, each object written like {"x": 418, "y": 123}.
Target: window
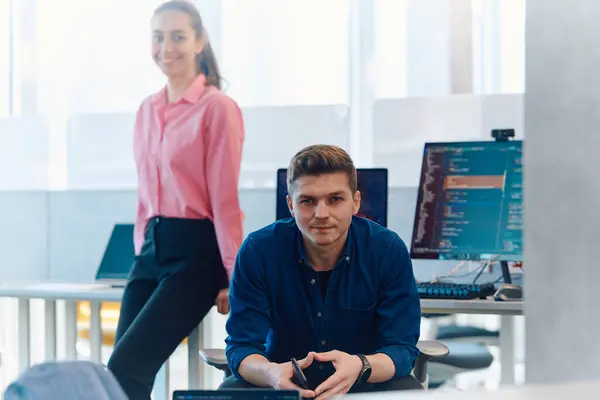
{"x": 499, "y": 46}
{"x": 512, "y": 46}
{"x": 97, "y": 60}
{"x": 5, "y": 57}
{"x": 283, "y": 52}
{"x": 286, "y": 63}
{"x": 390, "y": 47}
{"x": 272, "y": 53}
{"x": 412, "y": 47}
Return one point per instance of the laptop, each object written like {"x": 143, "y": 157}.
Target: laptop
{"x": 237, "y": 394}
{"x": 118, "y": 257}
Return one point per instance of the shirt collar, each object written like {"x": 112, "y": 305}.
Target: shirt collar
{"x": 191, "y": 95}
{"x": 346, "y": 255}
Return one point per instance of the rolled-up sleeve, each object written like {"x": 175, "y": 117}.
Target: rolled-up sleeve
{"x": 223, "y": 163}
{"x": 399, "y": 310}
{"x": 249, "y": 320}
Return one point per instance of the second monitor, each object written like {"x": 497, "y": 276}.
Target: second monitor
{"x": 372, "y": 184}
{"x": 469, "y": 203}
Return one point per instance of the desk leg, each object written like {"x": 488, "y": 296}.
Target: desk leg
{"x": 194, "y": 366}
{"x": 206, "y": 342}
{"x": 50, "y": 328}
{"x": 71, "y": 329}
{"x": 161, "y": 386}
{"x": 95, "y": 331}
{"x": 24, "y": 335}
{"x": 507, "y": 350}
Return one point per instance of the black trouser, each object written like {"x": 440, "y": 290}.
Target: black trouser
{"x": 173, "y": 284}
{"x": 404, "y": 383}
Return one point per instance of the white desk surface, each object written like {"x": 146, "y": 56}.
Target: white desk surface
{"x": 103, "y": 292}
{"x": 571, "y": 390}
{"x": 61, "y": 291}
{"x": 487, "y": 306}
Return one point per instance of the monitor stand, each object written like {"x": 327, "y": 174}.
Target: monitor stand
{"x": 508, "y": 291}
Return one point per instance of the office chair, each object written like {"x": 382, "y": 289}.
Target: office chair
{"x": 472, "y": 334}
{"x": 462, "y": 357}
{"x": 429, "y": 350}
{"x": 66, "y": 380}
{"x": 468, "y": 351}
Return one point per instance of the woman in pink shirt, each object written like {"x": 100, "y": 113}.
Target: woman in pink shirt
{"x": 188, "y": 147}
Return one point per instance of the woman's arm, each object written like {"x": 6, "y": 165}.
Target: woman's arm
{"x": 225, "y": 134}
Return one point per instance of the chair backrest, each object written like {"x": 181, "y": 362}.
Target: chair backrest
{"x": 68, "y": 380}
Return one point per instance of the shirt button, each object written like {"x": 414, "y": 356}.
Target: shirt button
{"x": 321, "y": 367}
{"x": 347, "y": 258}
{"x": 313, "y": 281}
{"x": 323, "y": 342}
{"x": 319, "y": 314}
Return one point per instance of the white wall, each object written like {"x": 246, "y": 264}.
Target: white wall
{"x": 562, "y": 190}
{"x": 23, "y": 235}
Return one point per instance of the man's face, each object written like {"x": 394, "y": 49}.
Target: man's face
{"x": 323, "y": 206}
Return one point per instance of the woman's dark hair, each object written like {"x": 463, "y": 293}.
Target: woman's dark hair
{"x": 206, "y": 61}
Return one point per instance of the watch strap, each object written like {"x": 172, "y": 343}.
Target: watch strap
{"x": 365, "y": 372}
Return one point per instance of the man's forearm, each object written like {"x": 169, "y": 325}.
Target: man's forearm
{"x": 382, "y": 368}
{"x": 255, "y": 370}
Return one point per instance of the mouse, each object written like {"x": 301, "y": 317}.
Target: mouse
{"x": 507, "y": 292}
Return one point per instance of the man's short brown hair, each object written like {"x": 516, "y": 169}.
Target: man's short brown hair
{"x": 321, "y": 159}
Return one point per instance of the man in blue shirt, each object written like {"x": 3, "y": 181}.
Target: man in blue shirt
{"x": 331, "y": 289}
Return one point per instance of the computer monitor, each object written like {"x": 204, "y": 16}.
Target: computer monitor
{"x": 118, "y": 256}
{"x": 373, "y": 187}
{"x": 469, "y": 203}
{"x": 236, "y": 394}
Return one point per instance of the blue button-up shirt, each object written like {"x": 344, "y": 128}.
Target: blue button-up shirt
{"x": 277, "y": 309}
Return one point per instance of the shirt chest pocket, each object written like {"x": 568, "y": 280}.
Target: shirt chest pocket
{"x": 358, "y": 312}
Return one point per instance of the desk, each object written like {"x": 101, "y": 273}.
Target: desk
{"x": 98, "y": 293}
{"x": 506, "y": 309}
{"x": 488, "y": 306}
{"x": 569, "y": 390}
{"x": 95, "y": 294}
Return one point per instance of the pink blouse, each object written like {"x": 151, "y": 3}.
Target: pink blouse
{"x": 188, "y": 155}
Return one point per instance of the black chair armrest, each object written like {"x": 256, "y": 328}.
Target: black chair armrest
{"x": 215, "y": 358}
{"x": 432, "y": 348}
{"x": 428, "y": 349}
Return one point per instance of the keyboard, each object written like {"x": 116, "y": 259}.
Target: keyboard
{"x": 456, "y": 291}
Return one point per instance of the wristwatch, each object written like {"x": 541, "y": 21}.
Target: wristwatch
{"x": 365, "y": 372}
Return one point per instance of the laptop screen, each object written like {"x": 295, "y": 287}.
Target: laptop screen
{"x": 237, "y": 394}
{"x": 118, "y": 255}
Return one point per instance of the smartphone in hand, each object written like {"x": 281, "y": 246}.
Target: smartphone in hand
{"x": 299, "y": 377}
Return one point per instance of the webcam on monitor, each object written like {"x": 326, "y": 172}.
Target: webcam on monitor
{"x": 502, "y": 135}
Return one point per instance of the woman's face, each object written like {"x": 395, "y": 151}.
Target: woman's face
{"x": 175, "y": 44}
